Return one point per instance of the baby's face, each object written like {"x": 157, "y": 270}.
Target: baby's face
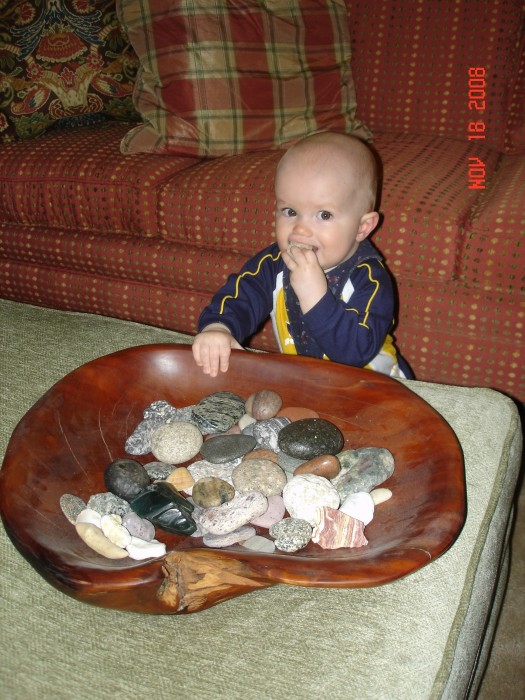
{"x": 321, "y": 208}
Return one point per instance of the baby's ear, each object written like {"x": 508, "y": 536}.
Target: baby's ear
{"x": 367, "y": 224}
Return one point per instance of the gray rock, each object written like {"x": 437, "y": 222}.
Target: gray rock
{"x": 138, "y": 527}
{"x": 71, "y": 506}
{"x": 363, "y": 469}
{"x": 176, "y": 442}
{"x": 289, "y": 464}
{"x": 216, "y": 413}
{"x": 310, "y": 437}
{"x": 291, "y": 534}
{"x": 225, "y": 448}
{"x": 158, "y": 470}
{"x": 266, "y": 432}
{"x": 156, "y": 414}
{"x": 257, "y": 543}
{"x": 232, "y": 515}
{"x": 259, "y": 475}
{"x": 107, "y": 503}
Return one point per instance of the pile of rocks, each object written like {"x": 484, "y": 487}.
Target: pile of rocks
{"x": 262, "y": 466}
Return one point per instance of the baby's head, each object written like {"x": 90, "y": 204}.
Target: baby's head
{"x": 326, "y": 188}
{"x": 340, "y": 156}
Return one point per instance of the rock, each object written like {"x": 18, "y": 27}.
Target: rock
{"x": 163, "y": 506}
{"x": 363, "y": 470}
{"x": 107, "y": 503}
{"x": 126, "y": 478}
{"x": 225, "y": 448}
{"x": 243, "y": 533}
{"x": 289, "y": 464}
{"x": 71, "y": 506}
{"x": 273, "y": 514}
{"x": 291, "y": 534}
{"x": 259, "y": 544}
{"x": 244, "y": 421}
{"x": 310, "y": 437}
{"x": 181, "y": 479}
{"x": 261, "y": 453}
{"x": 156, "y": 414}
{"x": 158, "y": 470}
{"x": 334, "y": 529}
{"x": 380, "y": 495}
{"x": 88, "y": 515}
{"x": 259, "y": 475}
{"x": 264, "y": 404}
{"x": 305, "y": 493}
{"x": 227, "y": 517}
{"x": 324, "y": 465}
{"x": 211, "y": 491}
{"x": 203, "y": 468}
{"x": 217, "y": 412}
{"x": 176, "y": 442}
{"x": 111, "y": 526}
{"x": 96, "y": 540}
{"x": 266, "y": 432}
{"x": 140, "y": 549}
{"x": 138, "y": 527}
{"x": 139, "y": 442}
{"x": 360, "y": 506}
{"x": 164, "y": 412}
{"x": 297, "y": 413}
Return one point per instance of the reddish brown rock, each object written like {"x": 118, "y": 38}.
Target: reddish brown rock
{"x": 297, "y": 413}
{"x": 263, "y": 404}
{"x": 334, "y": 529}
{"x": 262, "y": 453}
{"x": 324, "y": 465}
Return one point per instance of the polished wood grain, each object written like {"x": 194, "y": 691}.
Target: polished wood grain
{"x": 64, "y": 443}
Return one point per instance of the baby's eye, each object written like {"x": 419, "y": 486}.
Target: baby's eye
{"x": 325, "y": 215}
{"x": 288, "y": 211}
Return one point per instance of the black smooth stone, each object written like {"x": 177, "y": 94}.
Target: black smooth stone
{"x": 225, "y": 448}
{"x": 164, "y": 506}
{"x": 126, "y": 478}
{"x": 310, "y": 437}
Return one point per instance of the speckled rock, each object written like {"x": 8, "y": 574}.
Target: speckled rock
{"x": 176, "y": 442}
{"x": 273, "y": 514}
{"x": 310, "y": 437}
{"x": 264, "y": 404}
{"x": 259, "y": 475}
{"x": 230, "y": 516}
{"x": 181, "y": 479}
{"x": 360, "y": 506}
{"x": 211, "y": 491}
{"x": 266, "y": 432}
{"x": 257, "y": 543}
{"x": 71, "y": 506}
{"x": 156, "y": 414}
{"x": 334, "y": 529}
{"x": 225, "y": 448}
{"x": 126, "y": 478}
{"x": 96, "y": 540}
{"x": 158, "y": 470}
{"x": 243, "y": 533}
{"x": 291, "y": 534}
{"x": 217, "y": 412}
{"x": 305, "y": 493}
{"x": 363, "y": 469}
{"x": 107, "y": 503}
{"x": 138, "y": 527}
{"x": 324, "y": 465}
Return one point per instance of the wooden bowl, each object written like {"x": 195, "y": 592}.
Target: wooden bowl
{"x": 65, "y": 441}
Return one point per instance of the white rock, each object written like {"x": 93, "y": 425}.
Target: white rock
{"x": 140, "y": 549}
{"x": 305, "y": 493}
{"x": 360, "y": 506}
{"x": 245, "y": 421}
{"x": 219, "y": 520}
{"x": 111, "y": 526}
{"x": 97, "y": 540}
{"x": 88, "y": 515}
{"x": 259, "y": 544}
{"x": 380, "y": 495}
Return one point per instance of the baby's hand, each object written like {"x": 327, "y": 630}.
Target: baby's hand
{"x": 212, "y": 348}
{"x": 307, "y": 277}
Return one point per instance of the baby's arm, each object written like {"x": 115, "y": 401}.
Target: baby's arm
{"x": 212, "y": 348}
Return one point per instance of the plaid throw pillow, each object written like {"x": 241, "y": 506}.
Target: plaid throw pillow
{"x": 234, "y": 76}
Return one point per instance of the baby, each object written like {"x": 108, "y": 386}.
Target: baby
{"x": 323, "y": 284}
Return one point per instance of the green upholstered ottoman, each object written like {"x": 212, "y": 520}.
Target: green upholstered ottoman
{"x": 423, "y": 636}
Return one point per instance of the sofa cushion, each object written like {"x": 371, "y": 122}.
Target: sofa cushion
{"x": 412, "y": 76}
{"x": 228, "y": 77}
{"x": 78, "y": 179}
{"x": 62, "y": 64}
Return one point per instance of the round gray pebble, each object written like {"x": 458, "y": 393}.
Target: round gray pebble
{"x": 225, "y": 448}
{"x": 291, "y": 534}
